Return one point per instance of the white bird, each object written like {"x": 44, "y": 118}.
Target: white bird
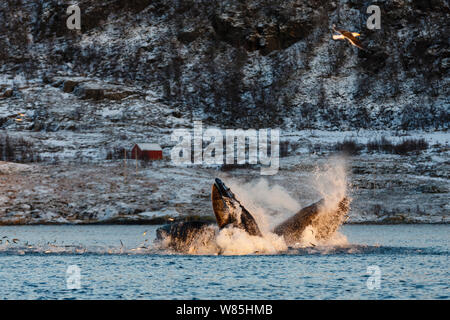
{"x": 346, "y": 35}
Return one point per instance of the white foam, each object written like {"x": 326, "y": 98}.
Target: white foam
{"x": 234, "y": 241}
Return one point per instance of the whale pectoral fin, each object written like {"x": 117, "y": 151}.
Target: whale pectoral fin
{"x": 292, "y": 229}
{"x": 325, "y": 225}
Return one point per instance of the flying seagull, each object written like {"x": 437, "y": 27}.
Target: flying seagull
{"x": 350, "y": 36}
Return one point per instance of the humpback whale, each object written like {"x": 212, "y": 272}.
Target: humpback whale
{"x": 229, "y": 212}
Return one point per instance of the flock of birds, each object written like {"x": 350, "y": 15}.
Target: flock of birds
{"x": 6, "y": 242}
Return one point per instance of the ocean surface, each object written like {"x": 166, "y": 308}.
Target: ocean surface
{"x": 120, "y": 262}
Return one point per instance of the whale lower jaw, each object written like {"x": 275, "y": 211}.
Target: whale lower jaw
{"x": 230, "y": 212}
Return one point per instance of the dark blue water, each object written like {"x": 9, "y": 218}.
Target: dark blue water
{"x": 412, "y": 260}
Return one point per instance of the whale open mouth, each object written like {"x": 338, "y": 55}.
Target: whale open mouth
{"x": 229, "y": 212}
{"x": 223, "y": 190}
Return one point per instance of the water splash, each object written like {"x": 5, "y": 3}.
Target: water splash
{"x": 233, "y": 241}
{"x": 330, "y": 182}
{"x": 269, "y": 204}
{"x": 272, "y": 204}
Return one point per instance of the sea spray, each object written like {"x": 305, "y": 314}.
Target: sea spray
{"x": 234, "y": 241}
{"x": 309, "y": 239}
{"x": 272, "y": 204}
{"x": 330, "y": 182}
{"x": 269, "y": 204}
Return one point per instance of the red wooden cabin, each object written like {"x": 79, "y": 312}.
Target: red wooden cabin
{"x": 146, "y": 151}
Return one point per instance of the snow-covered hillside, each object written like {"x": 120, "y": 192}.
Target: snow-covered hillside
{"x": 138, "y": 70}
{"x": 247, "y": 63}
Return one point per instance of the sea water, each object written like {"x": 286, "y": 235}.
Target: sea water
{"x": 121, "y": 262}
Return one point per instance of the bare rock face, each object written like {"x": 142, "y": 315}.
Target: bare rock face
{"x": 88, "y": 89}
{"x": 100, "y": 91}
{"x": 7, "y": 93}
{"x": 69, "y": 85}
{"x": 273, "y": 29}
{"x": 8, "y": 167}
{"x": 246, "y": 63}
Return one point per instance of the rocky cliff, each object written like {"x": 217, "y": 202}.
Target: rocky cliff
{"x": 251, "y": 63}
